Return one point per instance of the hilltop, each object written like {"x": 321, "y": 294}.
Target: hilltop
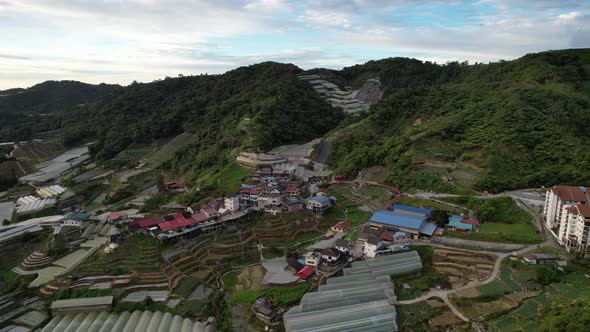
{"x": 255, "y": 107}
{"x": 36, "y": 109}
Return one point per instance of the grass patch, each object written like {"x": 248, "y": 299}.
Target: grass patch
{"x": 229, "y": 179}
{"x": 426, "y": 204}
{"x": 186, "y": 286}
{"x": 493, "y": 290}
{"x": 282, "y": 296}
{"x": 503, "y": 233}
{"x": 230, "y": 279}
{"x": 493, "y": 210}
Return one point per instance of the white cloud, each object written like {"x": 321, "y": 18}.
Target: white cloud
{"x": 569, "y": 18}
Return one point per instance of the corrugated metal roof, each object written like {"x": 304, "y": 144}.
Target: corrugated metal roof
{"x": 84, "y": 301}
{"x": 147, "y": 321}
{"x": 398, "y": 219}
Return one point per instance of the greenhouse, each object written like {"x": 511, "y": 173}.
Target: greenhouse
{"x": 360, "y": 301}
{"x": 145, "y": 321}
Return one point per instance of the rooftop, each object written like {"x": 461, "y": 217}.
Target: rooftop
{"x": 571, "y": 193}
{"x": 410, "y": 209}
{"x": 398, "y": 219}
{"x": 81, "y": 302}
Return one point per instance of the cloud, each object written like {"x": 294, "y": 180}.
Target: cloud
{"x": 124, "y": 40}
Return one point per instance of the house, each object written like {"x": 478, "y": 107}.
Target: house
{"x": 342, "y": 227}
{"x": 292, "y": 193}
{"x": 193, "y": 209}
{"x": 175, "y": 185}
{"x": 401, "y": 237}
{"x": 250, "y": 195}
{"x": 313, "y": 258}
{"x": 574, "y": 229}
{"x": 199, "y": 217}
{"x": 556, "y": 198}
{"x": 264, "y": 311}
{"x": 371, "y": 244}
{"x": 211, "y": 213}
{"x": 458, "y": 226}
{"x": 343, "y": 245}
{"x": 294, "y": 263}
{"x": 318, "y": 204}
{"x": 269, "y": 199}
{"x": 231, "y": 203}
{"x": 474, "y": 223}
{"x": 539, "y": 258}
{"x": 305, "y": 272}
{"x": 330, "y": 255}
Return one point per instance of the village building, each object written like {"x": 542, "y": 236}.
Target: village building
{"x": 371, "y": 244}
{"x": 313, "y": 258}
{"x": 231, "y": 204}
{"x": 79, "y": 305}
{"x": 574, "y": 229}
{"x": 211, "y": 213}
{"x": 416, "y": 224}
{"x": 458, "y": 224}
{"x": 341, "y": 227}
{"x": 330, "y": 255}
{"x": 556, "y": 198}
{"x": 318, "y": 204}
{"x": 539, "y": 258}
{"x": 343, "y": 245}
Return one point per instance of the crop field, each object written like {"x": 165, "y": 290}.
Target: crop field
{"x": 418, "y": 316}
{"x": 132, "y": 154}
{"x": 138, "y": 253}
{"x": 167, "y": 151}
{"x": 279, "y": 295}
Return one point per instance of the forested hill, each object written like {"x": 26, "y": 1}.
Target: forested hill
{"x": 498, "y": 126}
{"x": 38, "y": 108}
{"x": 259, "y": 106}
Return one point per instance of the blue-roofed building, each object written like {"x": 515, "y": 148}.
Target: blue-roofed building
{"x": 396, "y": 221}
{"x": 318, "y": 204}
{"x": 410, "y": 210}
{"x": 428, "y": 229}
{"x": 458, "y": 226}
{"x": 455, "y": 218}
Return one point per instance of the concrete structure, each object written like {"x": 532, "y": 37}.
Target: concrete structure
{"x": 539, "y": 258}
{"x": 556, "y": 198}
{"x": 313, "y": 258}
{"x": 574, "y": 229}
{"x": 318, "y": 204}
{"x": 371, "y": 244}
{"x": 86, "y": 304}
{"x": 231, "y": 203}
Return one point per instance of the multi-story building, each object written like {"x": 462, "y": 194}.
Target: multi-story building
{"x": 557, "y": 197}
{"x": 574, "y": 229}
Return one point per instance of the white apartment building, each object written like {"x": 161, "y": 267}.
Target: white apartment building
{"x": 574, "y": 229}
{"x": 232, "y": 203}
{"x": 557, "y": 197}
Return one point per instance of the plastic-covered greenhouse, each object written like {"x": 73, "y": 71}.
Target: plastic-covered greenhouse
{"x": 144, "y": 321}
{"x": 359, "y": 301}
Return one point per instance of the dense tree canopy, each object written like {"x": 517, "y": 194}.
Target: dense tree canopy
{"x": 523, "y": 122}
{"x": 39, "y": 108}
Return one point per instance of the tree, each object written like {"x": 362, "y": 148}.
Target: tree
{"x": 546, "y": 274}
{"x": 569, "y": 317}
{"x": 439, "y": 217}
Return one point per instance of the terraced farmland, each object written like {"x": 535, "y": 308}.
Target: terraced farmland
{"x": 138, "y": 253}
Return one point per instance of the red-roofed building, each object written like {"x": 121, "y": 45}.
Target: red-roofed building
{"x": 211, "y": 213}
{"x": 175, "y": 185}
{"x": 117, "y": 215}
{"x": 305, "y": 272}
{"x": 557, "y": 197}
{"x": 293, "y": 193}
{"x": 199, "y": 217}
{"x": 343, "y": 227}
{"x": 474, "y": 223}
{"x": 147, "y": 222}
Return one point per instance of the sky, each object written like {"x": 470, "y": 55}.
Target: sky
{"x": 121, "y": 41}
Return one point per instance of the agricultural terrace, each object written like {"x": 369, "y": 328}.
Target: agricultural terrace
{"x": 501, "y": 220}
{"x": 429, "y": 315}
{"x": 138, "y": 253}
{"x": 446, "y": 268}
{"x": 516, "y": 300}
{"x": 229, "y": 179}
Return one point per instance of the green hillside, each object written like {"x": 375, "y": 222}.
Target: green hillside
{"x": 38, "y": 108}
{"x": 260, "y": 106}
{"x": 497, "y": 126}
